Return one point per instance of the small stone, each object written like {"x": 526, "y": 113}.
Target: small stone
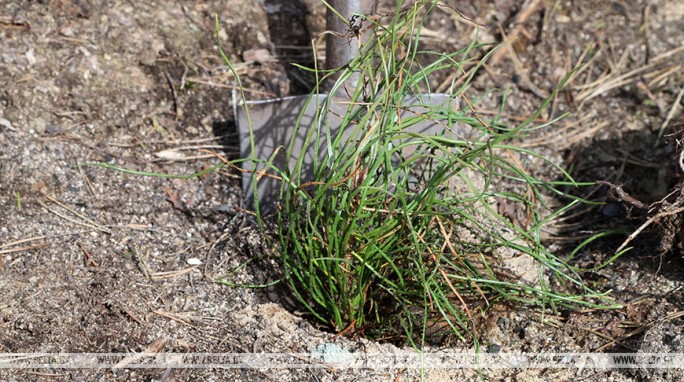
{"x": 66, "y": 31}
{"x": 7, "y": 124}
{"x": 30, "y": 57}
{"x": 262, "y": 38}
{"x": 332, "y": 353}
{"x": 257, "y": 55}
{"x": 39, "y": 126}
{"x": 194, "y": 261}
{"x": 504, "y": 323}
{"x": 611, "y": 209}
{"x": 563, "y": 19}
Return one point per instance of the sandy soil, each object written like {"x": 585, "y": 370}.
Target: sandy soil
{"x": 98, "y": 261}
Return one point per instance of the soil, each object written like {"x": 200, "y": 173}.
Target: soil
{"x": 93, "y": 260}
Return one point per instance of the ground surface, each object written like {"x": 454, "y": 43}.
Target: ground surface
{"x": 97, "y": 261}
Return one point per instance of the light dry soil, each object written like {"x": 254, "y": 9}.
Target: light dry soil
{"x": 93, "y": 260}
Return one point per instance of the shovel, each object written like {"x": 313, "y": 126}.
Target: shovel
{"x": 267, "y": 128}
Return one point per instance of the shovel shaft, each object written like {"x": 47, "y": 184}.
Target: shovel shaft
{"x": 339, "y": 51}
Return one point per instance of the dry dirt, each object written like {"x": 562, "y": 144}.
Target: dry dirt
{"x": 96, "y": 261}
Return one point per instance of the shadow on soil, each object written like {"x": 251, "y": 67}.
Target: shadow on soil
{"x": 642, "y": 180}
{"x": 291, "y": 41}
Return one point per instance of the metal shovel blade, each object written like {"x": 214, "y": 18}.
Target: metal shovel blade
{"x": 272, "y": 124}
{"x": 273, "y": 129}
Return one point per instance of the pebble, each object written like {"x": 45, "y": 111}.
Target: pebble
{"x": 30, "y": 57}
{"x": 611, "y": 209}
{"x": 194, "y": 261}
{"x": 7, "y": 124}
{"x": 257, "y": 55}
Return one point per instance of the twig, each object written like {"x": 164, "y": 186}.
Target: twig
{"x": 648, "y": 223}
{"x": 174, "y": 317}
{"x": 221, "y": 238}
{"x": 641, "y": 329}
{"x": 658, "y": 77}
{"x": 447, "y": 240}
{"x": 604, "y": 85}
{"x": 565, "y": 137}
{"x": 86, "y": 181}
{"x": 131, "y": 314}
{"x": 154, "y": 348}
{"x": 669, "y": 115}
{"x": 70, "y": 219}
{"x": 176, "y": 104}
{"x": 184, "y": 76}
{"x": 91, "y": 223}
{"x": 613, "y": 341}
{"x": 13, "y": 243}
{"x": 141, "y": 263}
{"x": 170, "y": 274}
{"x": 434, "y": 258}
{"x": 460, "y": 16}
{"x": 623, "y": 195}
{"x": 525, "y": 79}
{"x": 519, "y": 22}
{"x": 25, "y": 248}
{"x": 88, "y": 257}
{"x": 646, "y": 29}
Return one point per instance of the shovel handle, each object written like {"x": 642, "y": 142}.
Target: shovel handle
{"x": 337, "y": 51}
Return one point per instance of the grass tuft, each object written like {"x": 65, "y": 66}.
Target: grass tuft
{"x": 399, "y": 236}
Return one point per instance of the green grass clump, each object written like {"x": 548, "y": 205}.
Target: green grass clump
{"x": 398, "y": 234}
